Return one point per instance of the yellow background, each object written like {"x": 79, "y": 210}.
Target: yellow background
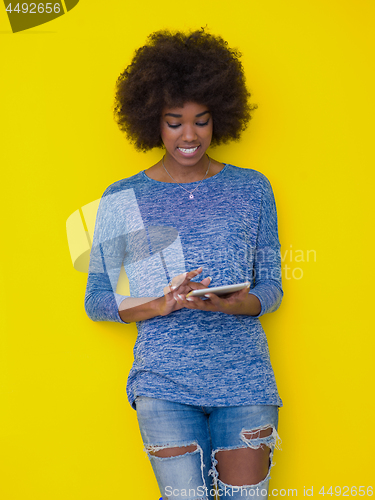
{"x": 67, "y": 430}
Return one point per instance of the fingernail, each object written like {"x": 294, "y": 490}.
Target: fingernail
{"x": 189, "y": 299}
{"x": 173, "y": 287}
{"x": 180, "y": 297}
{"x": 175, "y": 298}
{"x": 209, "y": 278}
{"x": 207, "y": 296}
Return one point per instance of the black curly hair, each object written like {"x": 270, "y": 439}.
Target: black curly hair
{"x": 175, "y": 68}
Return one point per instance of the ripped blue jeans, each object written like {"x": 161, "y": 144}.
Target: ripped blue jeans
{"x": 205, "y": 430}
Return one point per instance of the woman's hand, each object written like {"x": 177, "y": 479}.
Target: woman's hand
{"x": 175, "y": 298}
{"x": 140, "y": 309}
{"x": 179, "y": 287}
{"x": 240, "y": 302}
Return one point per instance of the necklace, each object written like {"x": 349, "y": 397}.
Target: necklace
{"x": 191, "y": 196}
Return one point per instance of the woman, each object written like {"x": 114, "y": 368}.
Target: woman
{"x": 201, "y": 381}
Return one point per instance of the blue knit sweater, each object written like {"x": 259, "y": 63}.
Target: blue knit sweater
{"x": 155, "y": 231}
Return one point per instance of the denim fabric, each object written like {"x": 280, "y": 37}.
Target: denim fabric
{"x": 193, "y": 475}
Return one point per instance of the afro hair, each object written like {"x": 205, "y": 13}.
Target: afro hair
{"x": 175, "y": 68}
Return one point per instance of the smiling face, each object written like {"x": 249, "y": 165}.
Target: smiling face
{"x": 186, "y": 133}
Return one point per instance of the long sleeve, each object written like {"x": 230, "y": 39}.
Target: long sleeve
{"x": 107, "y": 255}
{"x": 267, "y": 261}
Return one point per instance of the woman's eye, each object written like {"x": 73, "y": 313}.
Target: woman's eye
{"x": 203, "y": 124}
{"x": 170, "y": 125}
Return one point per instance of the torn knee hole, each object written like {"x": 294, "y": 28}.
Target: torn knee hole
{"x": 257, "y": 433}
{"x": 260, "y": 437}
{"x": 175, "y": 451}
{"x": 243, "y": 466}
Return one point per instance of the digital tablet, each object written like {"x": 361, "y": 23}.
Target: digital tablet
{"x": 218, "y": 290}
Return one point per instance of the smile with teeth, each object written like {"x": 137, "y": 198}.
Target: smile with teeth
{"x": 188, "y": 150}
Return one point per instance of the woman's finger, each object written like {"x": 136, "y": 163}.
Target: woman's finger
{"x": 199, "y": 285}
{"x": 192, "y": 274}
{"x": 214, "y": 299}
{"x": 206, "y": 281}
{"x": 189, "y": 276}
{"x": 181, "y": 279}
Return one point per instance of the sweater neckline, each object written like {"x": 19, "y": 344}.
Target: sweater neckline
{"x": 143, "y": 172}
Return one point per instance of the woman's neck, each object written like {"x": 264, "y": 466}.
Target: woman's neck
{"x": 183, "y": 174}
{"x": 188, "y": 173}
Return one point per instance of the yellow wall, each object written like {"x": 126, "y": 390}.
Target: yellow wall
{"x": 67, "y": 431}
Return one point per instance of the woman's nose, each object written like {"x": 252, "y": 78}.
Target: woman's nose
{"x": 188, "y": 133}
